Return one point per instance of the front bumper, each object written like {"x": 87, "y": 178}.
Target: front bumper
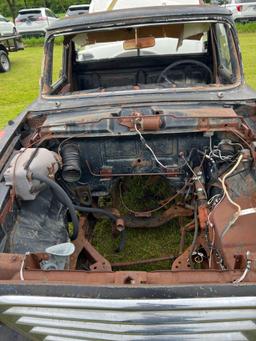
{"x": 143, "y": 313}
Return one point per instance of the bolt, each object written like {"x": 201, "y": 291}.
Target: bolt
{"x": 14, "y": 259}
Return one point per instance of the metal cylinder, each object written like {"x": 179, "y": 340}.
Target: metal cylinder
{"x": 71, "y": 170}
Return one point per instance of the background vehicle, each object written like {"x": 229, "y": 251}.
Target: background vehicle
{"x": 217, "y": 2}
{"x": 104, "y": 5}
{"x": 77, "y": 10}
{"x": 6, "y": 27}
{"x": 242, "y": 10}
{"x": 34, "y": 21}
{"x": 10, "y": 43}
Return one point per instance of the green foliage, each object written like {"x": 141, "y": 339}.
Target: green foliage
{"x": 33, "y": 41}
{"x": 58, "y": 6}
{"x": 39, "y": 41}
{"x": 246, "y": 28}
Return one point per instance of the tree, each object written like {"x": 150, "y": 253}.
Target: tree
{"x": 13, "y": 8}
{"x": 46, "y": 3}
{"x": 61, "y": 6}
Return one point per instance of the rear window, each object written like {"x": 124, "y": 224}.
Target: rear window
{"x": 80, "y": 8}
{"x": 160, "y": 40}
{"x": 32, "y": 15}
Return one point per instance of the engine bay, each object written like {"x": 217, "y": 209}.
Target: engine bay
{"x": 76, "y": 203}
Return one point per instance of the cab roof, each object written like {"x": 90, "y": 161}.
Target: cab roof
{"x": 137, "y": 16}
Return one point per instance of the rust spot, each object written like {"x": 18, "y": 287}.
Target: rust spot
{"x": 144, "y": 123}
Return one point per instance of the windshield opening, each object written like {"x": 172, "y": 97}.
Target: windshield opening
{"x": 173, "y": 56}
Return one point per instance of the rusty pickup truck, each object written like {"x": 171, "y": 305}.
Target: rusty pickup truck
{"x": 156, "y": 95}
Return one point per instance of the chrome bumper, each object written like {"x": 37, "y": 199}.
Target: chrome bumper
{"x": 63, "y": 319}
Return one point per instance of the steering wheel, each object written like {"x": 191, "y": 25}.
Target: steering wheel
{"x": 164, "y": 73}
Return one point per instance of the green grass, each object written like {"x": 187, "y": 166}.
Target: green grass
{"x": 20, "y": 86}
{"x": 140, "y": 244}
{"x": 141, "y": 194}
{"x": 248, "y": 47}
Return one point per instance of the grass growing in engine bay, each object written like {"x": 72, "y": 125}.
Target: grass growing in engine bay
{"x": 142, "y": 194}
{"x": 140, "y": 244}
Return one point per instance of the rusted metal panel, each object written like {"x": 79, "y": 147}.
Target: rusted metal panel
{"x": 146, "y": 123}
{"x": 82, "y": 245}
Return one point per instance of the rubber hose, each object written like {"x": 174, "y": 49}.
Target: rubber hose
{"x": 195, "y": 236}
{"x": 63, "y": 198}
{"x": 96, "y": 211}
{"x": 71, "y": 170}
{"x": 122, "y": 242}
